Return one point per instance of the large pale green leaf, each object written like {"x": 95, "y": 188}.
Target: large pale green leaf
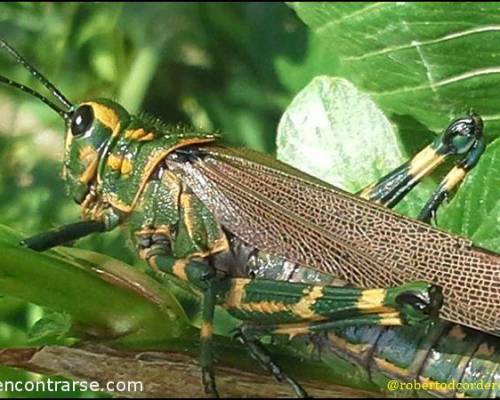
{"x": 429, "y": 61}
{"x": 106, "y": 299}
{"x": 338, "y": 134}
{"x": 325, "y": 131}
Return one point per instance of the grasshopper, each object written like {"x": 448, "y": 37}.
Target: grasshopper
{"x": 226, "y": 215}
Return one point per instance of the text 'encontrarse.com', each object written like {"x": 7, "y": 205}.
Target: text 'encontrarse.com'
{"x": 49, "y": 385}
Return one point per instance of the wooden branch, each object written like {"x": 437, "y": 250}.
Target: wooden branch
{"x": 163, "y": 374}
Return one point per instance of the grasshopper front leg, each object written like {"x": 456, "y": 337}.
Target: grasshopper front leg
{"x": 204, "y": 277}
{"x": 68, "y": 233}
{"x": 62, "y": 235}
{"x": 206, "y": 338}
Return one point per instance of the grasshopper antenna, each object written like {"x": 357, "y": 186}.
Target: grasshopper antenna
{"x": 66, "y": 115}
{"x": 39, "y": 77}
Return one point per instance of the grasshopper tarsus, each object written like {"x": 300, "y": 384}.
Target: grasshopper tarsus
{"x": 259, "y": 353}
{"x": 208, "y": 381}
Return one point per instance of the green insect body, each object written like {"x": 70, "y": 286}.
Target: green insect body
{"x": 165, "y": 207}
{"x": 150, "y": 198}
{"x": 114, "y": 167}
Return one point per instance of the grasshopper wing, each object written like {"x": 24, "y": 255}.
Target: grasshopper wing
{"x": 285, "y": 212}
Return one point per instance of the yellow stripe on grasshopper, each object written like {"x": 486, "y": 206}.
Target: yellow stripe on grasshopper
{"x": 107, "y": 116}
{"x": 292, "y": 330}
{"x": 372, "y": 301}
{"x": 304, "y": 308}
{"x": 120, "y": 163}
{"x": 236, "y": 300}
{"x": 139, "y": 134}
{"x": 453, "y": 178}
{"x": 424, "y": 162}
{"x": 90, "y": 158}
{"x": 236, "y": 293}
{"x": 179, "y": 269}
{"x": 114, "y": 162}
{"x": 390, "y": 319}
{"x": 207, "y": 330}
{"x": 127, "y": 166}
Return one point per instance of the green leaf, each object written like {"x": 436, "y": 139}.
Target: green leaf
{"x": 51, "y": 329}
{"x": 430, "y": 62}
{"x": 338, "y": 134}
{"x": 106, "y": 299}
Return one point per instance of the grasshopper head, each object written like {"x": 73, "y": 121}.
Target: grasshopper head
{"x": 90, "y": 129}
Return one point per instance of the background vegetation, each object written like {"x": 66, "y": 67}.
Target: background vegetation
{"x": 236, "y": 68}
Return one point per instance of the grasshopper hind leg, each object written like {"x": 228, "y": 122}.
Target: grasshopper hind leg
{"x": 464, "y": 137}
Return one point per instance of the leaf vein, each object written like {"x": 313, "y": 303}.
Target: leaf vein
{"x": 345, "y": 17}
{"x": 444, "y": 82}
{"x": 416, "y": 43}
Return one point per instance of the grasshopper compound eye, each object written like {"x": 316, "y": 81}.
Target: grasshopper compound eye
{"x": 81, "y": 120}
